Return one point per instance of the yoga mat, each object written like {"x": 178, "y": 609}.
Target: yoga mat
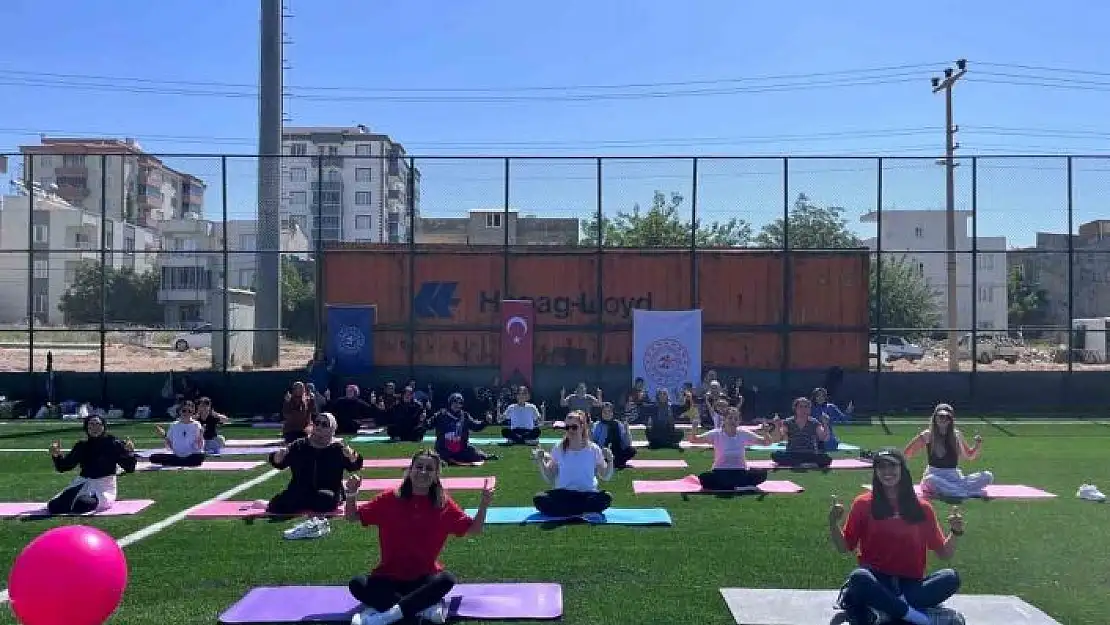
{"x": 474, "y": 440}
{"x": 226, "y": 451}
{"x": 209, "y": 465}
{"x": 759, "y": 606}
{"x": 334, "y": 604}
{"x": 266, "y": 425}
{"x": 123, "y": 507}
{"x": 237, "y": 510}
{"x": 612, "y": 516}
{"x": 1001, "y": 491}
{"x": 657, "y": 464}
{"x": 449, "y": 483}
{"x": 682, "y": 445}
{"x": 690, "y": 484}
{"x": 837, "y": 463}
{"x": 782, "y": 447}
{"x": 386, "y": 463}
{"x": 259, "y": 442}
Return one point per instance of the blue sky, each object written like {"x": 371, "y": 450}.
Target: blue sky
{"x": 351, "y": 59}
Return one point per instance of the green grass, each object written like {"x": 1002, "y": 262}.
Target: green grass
{"x": 1053, "y": 553}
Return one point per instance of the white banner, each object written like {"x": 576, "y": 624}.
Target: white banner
{"x": 666, "y": 349}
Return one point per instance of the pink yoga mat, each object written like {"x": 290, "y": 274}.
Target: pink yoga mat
{"x": 690, "y": 484}
{"x": 208, "y": 465}
{"x": 837, "y": 463}
{"x": 121, "y": 508}
{"x": 386, "y": 463}
{"x": 260, "y": 442}
{"x": 683, "y": 445}
{"x": 1002, "y": 491}
{"x": 235, "y": 510}
{"x": 657, "y": 464}
{"x": 449, "y": 483}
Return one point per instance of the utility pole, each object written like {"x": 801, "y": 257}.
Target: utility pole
{"x": 267, "y": 306}
{"x": 951, "y": 76}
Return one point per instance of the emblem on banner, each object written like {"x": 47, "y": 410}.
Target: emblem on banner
{"x": 667, "y": 362}
{"x": 350, "y": 340}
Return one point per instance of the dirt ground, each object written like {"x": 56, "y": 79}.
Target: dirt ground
{"x": 132, "y": 358}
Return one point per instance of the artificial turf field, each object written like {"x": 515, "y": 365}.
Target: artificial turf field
{"x": 1054, "y": 554}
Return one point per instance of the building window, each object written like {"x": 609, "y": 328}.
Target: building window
{"x": 362, "y": 174}
{"x": 40, "y": 304}
{"x": 921, "y": 269}
{"x": 493, "y": 220}
{"x": 362, "y": 222}
{"x": 362, "y": 198}
{"x": 919, "y": 232}
{"x": 298, "y": 149}
{"x": 333, "y": 175}
{"x": 362, "y": 149}
{"x": 42, "y": 233}
{"x": 73, "y": 160}
{"x": 246, "y": 279}
{"x": 129, "y": 244}
{"x": 298, "y": 174}
{"x": 190, "y": 278}
{"x": 42, "y": 269}
{"x": 986, "y": 262}
{"x": 986, "y": 294}
{"x": 298, "y": 222}
{"x": 247, "y": 242}
{"x": 298, "y": 198}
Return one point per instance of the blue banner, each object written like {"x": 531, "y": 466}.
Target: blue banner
{"x": 351, "y": 338}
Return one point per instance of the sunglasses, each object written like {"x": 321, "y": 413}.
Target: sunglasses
{"x": 322, "y": 424}
{"x": 424, "y": 468}
{"x": 573, "y": 427}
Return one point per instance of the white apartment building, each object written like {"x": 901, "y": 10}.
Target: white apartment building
{"x": 192, "y": 265}
{"x": 346, "y": 184}
{"x": 44, "y": 239}
{"x": 921, "y": 235}
{"x": 113, "y": 175}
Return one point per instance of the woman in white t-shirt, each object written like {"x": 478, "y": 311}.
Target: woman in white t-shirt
{"x": 523, "y": 419}
{"x": 730, "y": 466}
{"x": 185, "y": 440}
{"x": 573, "y": 468}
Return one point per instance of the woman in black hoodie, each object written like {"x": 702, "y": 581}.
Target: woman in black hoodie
{"x": 317, "y": 464}
{"x": 94, "y": 489}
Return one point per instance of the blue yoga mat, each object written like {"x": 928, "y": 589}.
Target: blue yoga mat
{"x": 431, "y": 439}
{"x": 612, "y": 516}
{"x": 782, "y": 447}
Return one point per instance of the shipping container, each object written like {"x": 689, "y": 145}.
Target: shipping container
{"x": 441, "y": 305}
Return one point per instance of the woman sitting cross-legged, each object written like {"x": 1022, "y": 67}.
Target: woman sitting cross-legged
{"x": 944, "y": 446}
{"x": 523, "y": 418}
{"x": 573, "y": 467}
{"x": 413, "y": 522}
{"x": 661, "y": 431}
{"x": 185, "y": 440}
{"x": 892, "y": 530}
{"x": 407, "y": 418}
{"x": 317, "y": 464}
{"x": 94, "y": 489}
{"x": 612, "y": 434}
{"x": 730, "y": 466}
{"x": 803, "y": 435}
{"x": 453, "y": 426}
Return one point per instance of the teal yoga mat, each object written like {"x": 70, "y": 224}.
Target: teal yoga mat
{"x": 782, "y": 447}
{"x": 612, "y": 516}
{"x": 473, "y": 440}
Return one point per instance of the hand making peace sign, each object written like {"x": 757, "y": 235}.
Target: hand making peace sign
{"x": 956, "y": 521}
{"x": 487, "y": 494}
{"x": 836, "y": 511}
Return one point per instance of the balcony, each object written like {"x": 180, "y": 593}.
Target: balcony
{"x": 332, "y": 185}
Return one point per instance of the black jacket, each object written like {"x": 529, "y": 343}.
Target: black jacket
{"x": 316, "y": 468}
{"x": 98, "y": 457}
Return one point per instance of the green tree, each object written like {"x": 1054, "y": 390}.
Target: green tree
{"x": 907, "y": 300}
{"x": 131, "y": 297}
{"x": 663, "y": 225}
{"x": 1028, "y": 302}
{"x": 811, "y": 227}
{"x": 298, "y": 298}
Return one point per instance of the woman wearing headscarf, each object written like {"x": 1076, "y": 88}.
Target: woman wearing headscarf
{"x": 453, "y": 426}
{"x": 98, "y": 456}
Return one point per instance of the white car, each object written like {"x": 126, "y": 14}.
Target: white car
{"x": 198, "y": 337}
{"x": 898, "y": 348}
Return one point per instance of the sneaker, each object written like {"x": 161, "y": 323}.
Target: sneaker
{"x": 593, "y": 517}
{"x": 435, "y": 614}
{"x": 368, "y": 616}
{"x": 944, "y": 616}
{"x": 1090, "y": 492}
{"x": 311, "y": 528}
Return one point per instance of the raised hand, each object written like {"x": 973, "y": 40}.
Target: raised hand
{"x": 487, "y": 494}
{"x": 349, "y": 453}
{"x": 129, "y": 446}
{"x": 161, "y": 431}
{"x": 353, "y": 483}
{"x": 55, "y": 449}
{"x": 607, "y": 454}
{"x": 836, "y": 510}
{"x": 978, "y": 439}
{"x": 539, "y": 455}
{"x": 956, "y": 520}
{"x": 279, "y": 455}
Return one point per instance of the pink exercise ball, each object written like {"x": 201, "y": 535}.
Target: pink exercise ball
{"x": 71, "y": 575}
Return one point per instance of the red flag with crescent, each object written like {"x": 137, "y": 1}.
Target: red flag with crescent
{"x": 518, "y": 320}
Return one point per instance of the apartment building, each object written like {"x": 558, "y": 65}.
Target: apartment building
{"x": 346, "y": 184}
{"x": 921, "y": 237}
{"x": 44, "y": 239}
{"x": 115, "y": 175}
{"x": 1048, "y": 263}
{"x": 488, "y": 227}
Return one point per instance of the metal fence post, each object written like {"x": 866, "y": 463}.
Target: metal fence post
{"x": 227, "y": 299}
{"x": 1071, "y": 273}
{"x": 411, "y": 201}
{"x": 29, "y": 186}
{"x": 878, "y": 289}
{"x": 507, "y": 293}
{"x": 600, "y": 273}
{"x": 974, "y": 351}
{"x": 318, "y": 341}
{"x": 695, "y": 293}
{"x": 787, "y": 282}
{"x": 103, "y": 328}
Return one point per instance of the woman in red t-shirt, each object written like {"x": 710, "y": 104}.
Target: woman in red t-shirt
{"x": 413, "y": 521}
{"x": 892, "y": 530}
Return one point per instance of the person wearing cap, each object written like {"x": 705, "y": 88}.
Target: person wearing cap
{"x": 944, "y": 447}
{"x": 828, "y": 413}
{"x": 453, "y": 426}
{"x": 891, "y": 530}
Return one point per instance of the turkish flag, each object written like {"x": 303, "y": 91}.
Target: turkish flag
{"x": 518, "y": 320}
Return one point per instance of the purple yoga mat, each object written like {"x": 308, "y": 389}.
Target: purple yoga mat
{"x": 122, "y": 507}
{"x": 334, "y": 604}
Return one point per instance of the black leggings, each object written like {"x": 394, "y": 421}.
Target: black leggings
{"x": 466, "y": 455}
{"x": 796, "y": 458}
{"x": 290, "y": 437}
{"x": 732, "y": 479}
{"x": 520, "y": 436}
{"x": 174, "y": 460}
{"x": 407, "y": 433}
{"x": 290, "y": 502}
{"x": 413, "y": 597}
{"x": 621, "y": 455}
{"x": 669, "y": 438}
{"x": 561, "y": 502}
{"x": 70, "y": 501}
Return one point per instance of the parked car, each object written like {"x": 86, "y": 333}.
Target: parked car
{"x": 899, "y": 348}
{"x": 989, "y": 348}
{"x": 198, "y": 337}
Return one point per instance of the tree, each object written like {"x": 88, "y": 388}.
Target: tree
{"x": 811, "y": 227}
{"x": 298, "y": 298}
{"x": 1028, "y": 302}
{"x": 131, "y": 297}
{"x": 662, "y": 225}
{"x": 907, "y": 301}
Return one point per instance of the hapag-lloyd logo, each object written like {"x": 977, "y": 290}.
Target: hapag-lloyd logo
{"x": 563, "y": 306}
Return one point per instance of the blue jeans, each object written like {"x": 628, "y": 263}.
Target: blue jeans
{"x": 894, "y": 596}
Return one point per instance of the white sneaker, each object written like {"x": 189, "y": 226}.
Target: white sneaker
{"x": 1090, "y": 492}
{"x": 311, "y": 528}
{"x": 368, "y": 616}
{"x": 944, "y": 616}
{"x": 435, "y": 614}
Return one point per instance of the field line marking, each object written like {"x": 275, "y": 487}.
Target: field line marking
{"x": 150, "y": 530}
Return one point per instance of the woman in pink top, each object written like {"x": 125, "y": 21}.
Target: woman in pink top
{"x": 730, "y": 467}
